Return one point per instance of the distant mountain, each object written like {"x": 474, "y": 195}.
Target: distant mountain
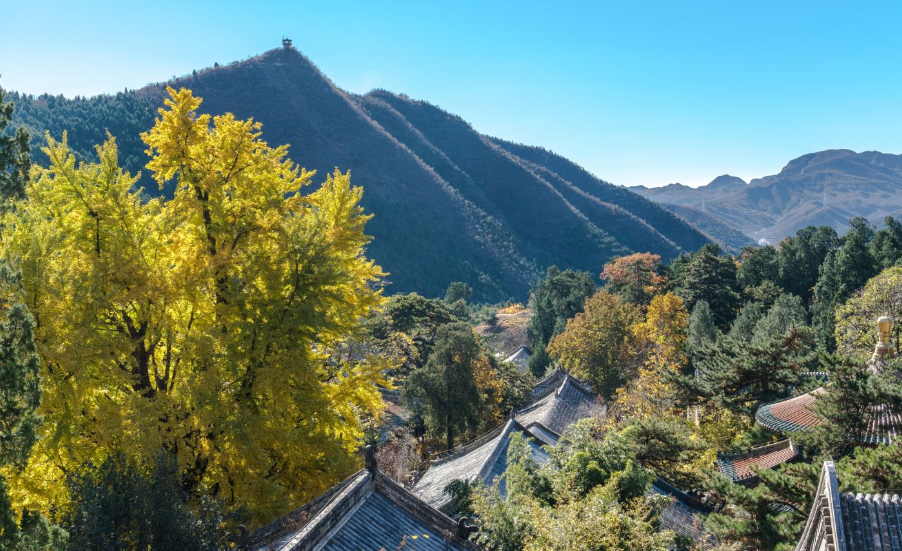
{"x": 450, "y": 204}
{"x": 825, "y": 188}
{"x": 731, "y": 239}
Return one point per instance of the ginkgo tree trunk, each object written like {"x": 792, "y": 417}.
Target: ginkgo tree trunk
{"x": 203, "y": 324}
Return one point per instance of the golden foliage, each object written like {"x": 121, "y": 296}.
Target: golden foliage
{"x": 203, "y": 324}
{"x": 661, "y": 339}
{"x": 596, "y": 343}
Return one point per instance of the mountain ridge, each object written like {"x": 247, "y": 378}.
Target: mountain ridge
{"x": 450, "y": 204}
{"x": 821, "y": 188}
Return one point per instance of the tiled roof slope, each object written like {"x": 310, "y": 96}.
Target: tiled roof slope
{"x": 851, "y": 522}
{"x": 368, "y": 511}
{"x": 484, "y": 459}
{"x": 797, "y": 414}
{"x": 682, "y": 517}
{"x": 790, "y": 415}
{"x": 738, "y": 466}
{"x": 520, "y": 358}
{"x": 544, "y": 419}
{"x": 558, "y": 408}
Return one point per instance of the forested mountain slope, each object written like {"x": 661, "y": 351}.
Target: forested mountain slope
{"x": 450, "y": 204}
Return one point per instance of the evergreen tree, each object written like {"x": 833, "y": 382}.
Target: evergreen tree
{"x": 739, "y": 376}
{"x": 847, "y": 408}
{"x": 458, "y": 290}
{"x": 444, "y": 391}
{"x": 711, "y": 277}
{"x": 826, "y": 297}
{"x": 886, "y": 247}
{"x": 743, "y": 327}
{"x": 799, "y": 259}
{"x": 556, "y": 299}
{"x": 14, "y": 155}
{"x": 759, "y": 264}
{"x": 701, "y": 331}
{"x": 539, "y": 362}
{"x": 116, "y": 506}
{"x": 854, "y": 262}
{"x": 786, "y": 313}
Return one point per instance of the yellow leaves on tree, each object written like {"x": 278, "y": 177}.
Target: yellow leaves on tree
{"x": 596, "y": 344}
{"x": 661, "y": 340}
{"x": 203, "y": 324}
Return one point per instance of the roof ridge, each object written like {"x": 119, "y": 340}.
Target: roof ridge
{"x": 331, "y": 517}
{"x": 758, "y": 449}
{"x": 289, "y": 521}
{"x": 420, "y": 509}
{"x": 477, "y": 442}
{"x": 490, "y": 460}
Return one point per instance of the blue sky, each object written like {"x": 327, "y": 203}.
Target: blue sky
{"x": 637, "y": 92}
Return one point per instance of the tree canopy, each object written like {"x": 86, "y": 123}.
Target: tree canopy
{"x": 201, "y": 325}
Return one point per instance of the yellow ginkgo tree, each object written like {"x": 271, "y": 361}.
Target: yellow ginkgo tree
{"x": 201, "y": 325}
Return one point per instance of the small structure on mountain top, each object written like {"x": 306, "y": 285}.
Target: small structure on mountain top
{"x": 849, "y": 521}
{"x": 797, "y": 414}
{"x": 286, "y": 43}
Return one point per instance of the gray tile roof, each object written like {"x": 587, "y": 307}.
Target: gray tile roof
{"x": 520, "y": 358}
{"x": 682, "y": 516}
{"x": 368, "y": 511}
{"x": 545, "y": 418}
{"x": 480, "y": 460}
{"x": 559, "y": 407}
{"x": 851, "y": 522}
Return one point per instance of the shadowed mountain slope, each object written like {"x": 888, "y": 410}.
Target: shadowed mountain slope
{"x": 450, "y": 204}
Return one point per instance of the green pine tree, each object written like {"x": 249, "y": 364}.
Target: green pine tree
{"x": 711, "y": 277}
{"x": 444, "y": 391}
{"x": 14, "y": 155}
{"x": 556, "y": 299}
{"x": 886, "y": 247}
{"x": 854, "y": 263}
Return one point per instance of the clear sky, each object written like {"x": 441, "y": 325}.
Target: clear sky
{"x": 637, "y": 92}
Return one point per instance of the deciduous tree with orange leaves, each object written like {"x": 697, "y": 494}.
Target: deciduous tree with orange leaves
{"x": 634, "y": 277}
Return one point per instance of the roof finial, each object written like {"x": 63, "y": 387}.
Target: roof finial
{"x": 884, "y": 349}
{"x": 369, "y": 457}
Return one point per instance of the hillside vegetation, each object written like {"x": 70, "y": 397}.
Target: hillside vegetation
{"x": 450, "y": 204}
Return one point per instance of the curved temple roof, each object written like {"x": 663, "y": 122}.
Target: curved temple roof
{"x": 738, "y": 467}
{"x": 366, "y": 511}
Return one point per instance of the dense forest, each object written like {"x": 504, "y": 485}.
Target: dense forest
{"x": 450, "y": 204}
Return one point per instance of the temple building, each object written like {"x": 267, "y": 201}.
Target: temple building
{"x": 520, "y": 358}
{"x": 851, "y": 521}
{"x": 558, "y": 401}
{"x": 369, "y": 510}
{"x": 797, "y": 413}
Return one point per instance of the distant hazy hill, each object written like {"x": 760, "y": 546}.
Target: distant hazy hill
{"x": 825, "y": 188}
{"x": 449, "y": 203}
{"x": 728, "y": 237}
